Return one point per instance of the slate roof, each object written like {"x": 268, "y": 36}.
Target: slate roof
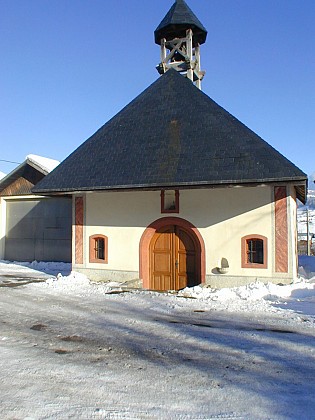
{"x": 171, "y": 135}
{"x": 178, "y": 19}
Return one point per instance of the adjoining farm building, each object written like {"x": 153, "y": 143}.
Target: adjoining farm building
{"x": 33, "y": 227}
{"x": 174, "y": 191}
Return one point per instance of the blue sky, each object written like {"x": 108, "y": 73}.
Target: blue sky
{"x": 67, "y": 66}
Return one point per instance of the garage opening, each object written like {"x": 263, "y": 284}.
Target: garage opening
{"x": 38, "y": 229}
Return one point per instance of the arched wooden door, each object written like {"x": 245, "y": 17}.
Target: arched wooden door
{"x": 174, "y": 259}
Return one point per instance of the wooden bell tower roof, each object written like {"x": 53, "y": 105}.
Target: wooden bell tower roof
{"x": 177, "y": 21}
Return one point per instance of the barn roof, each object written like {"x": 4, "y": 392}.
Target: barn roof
{"x": 32, "y": 170}
{"x": 177, "y": 20}
{"x": 171, "y": 135}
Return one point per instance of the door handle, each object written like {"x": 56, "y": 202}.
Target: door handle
{"x": 176, "y": 264}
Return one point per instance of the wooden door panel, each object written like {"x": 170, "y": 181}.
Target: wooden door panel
{"x": 187, "y": 267}
{"x": 187, "y": 263}
{"x": 156, "y": 282}
{"x": 162, "y": 282}
{"x": 162, "y": 259}
{"x": 166, "y": 283}
{"x": 173, "y": 259}
{"x": 181, "y": 282}
{"x": 163, "y": 241}
{"x": 182, "y": 263}
{"x": 162, "y": 262}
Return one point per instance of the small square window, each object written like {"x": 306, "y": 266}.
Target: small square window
{"x": 98, "y": 249}
{"x": 254, "y": 251}
{"x": 169, "y": 201}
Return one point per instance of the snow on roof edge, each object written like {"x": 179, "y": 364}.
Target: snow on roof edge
{"x": 44, "y": 163}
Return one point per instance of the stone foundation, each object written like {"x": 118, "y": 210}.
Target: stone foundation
{"x": 222, "y": 281}
{"x": 130, "y": 277}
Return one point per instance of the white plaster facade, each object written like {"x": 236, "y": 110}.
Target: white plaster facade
{"x": 222, "y": 216}
{"x": 3, "y": 212}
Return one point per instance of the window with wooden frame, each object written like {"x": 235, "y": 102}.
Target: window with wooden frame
{"x": 254, "y": 251}
{"x": 98, "y": 249}
{"x": 169, "y": 201}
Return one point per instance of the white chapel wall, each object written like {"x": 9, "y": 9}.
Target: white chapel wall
{"x": 122, "y": 217}
{"x": 222, "y": 215}
{"x": 2, "y": 226}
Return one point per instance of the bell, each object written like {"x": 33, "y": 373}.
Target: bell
{"x": 178, "y": 56}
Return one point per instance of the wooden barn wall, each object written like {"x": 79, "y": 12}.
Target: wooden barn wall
{"x": 23, "y": 184}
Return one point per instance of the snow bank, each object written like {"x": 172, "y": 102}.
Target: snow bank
{"x": 52, "y": 268}
{"x": 307, "y": 267}
{"x": 251, "y": 292}
{"x": 257, "y": 296}
{"x": 73, "y": 282}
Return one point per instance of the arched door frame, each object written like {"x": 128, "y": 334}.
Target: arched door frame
{"x": 144, "y": 251}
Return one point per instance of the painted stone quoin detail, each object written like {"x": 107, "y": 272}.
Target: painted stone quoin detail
{"x": 281, "y": 229}
{"x": 79, "y": 220}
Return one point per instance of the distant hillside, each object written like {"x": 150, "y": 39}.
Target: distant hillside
{"x": 311, "y": 194}
{"x": 310, "y": 203}
{"x": 311, "y": 180}
{"x": 311, "y": 199}
{"x": 302, "y": 214}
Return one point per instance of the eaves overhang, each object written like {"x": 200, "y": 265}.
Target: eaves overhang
{"x": 300, "y": 185}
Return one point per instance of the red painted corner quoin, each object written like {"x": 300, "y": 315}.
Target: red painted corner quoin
{"x": 281, "y": 229}
{"x": 79, "y": 216}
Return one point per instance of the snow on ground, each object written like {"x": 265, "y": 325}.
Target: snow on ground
{"x": 255, "y": 295}
{"x": 18, "y": 273}
{"x": 45, "y": 269}
{"x": 70, "y": 348}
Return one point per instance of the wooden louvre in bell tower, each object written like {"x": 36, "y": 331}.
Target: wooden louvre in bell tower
{"x": 180, "y": 35}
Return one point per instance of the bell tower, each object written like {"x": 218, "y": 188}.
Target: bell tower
{"x": 180, "y": 35}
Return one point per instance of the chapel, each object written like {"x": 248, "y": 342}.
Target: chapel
{"x": 174, "y": 191}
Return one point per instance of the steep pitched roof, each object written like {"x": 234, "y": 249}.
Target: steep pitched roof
{"x": 178, "y": 19}
{"x": 171, "y": 135}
